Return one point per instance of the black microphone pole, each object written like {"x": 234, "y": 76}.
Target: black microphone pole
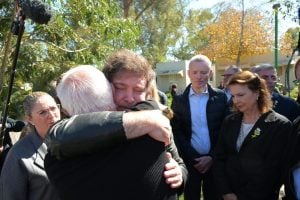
{"x": 18, "y": 29}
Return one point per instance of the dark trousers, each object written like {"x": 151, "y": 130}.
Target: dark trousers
{"x": 198, "y": 182}
{"x": 133, "y": 171}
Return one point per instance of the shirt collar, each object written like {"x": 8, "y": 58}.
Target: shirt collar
{"x": 192, "y": 92}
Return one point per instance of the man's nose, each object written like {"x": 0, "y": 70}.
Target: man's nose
{"x": 129, "y": 97}
{"x": 51, "y": 114}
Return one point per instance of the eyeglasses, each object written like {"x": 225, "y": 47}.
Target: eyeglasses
{"x": 45, "y": 113}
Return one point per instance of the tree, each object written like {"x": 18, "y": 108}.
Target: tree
{"x": 193, "y": 37}
{"x": 289, "y": 40}
{"x": 223, "y": 36}
{"x": 288, "y": 8}
{"x": 80, "y": 32}
{"x": 161, "y": 30}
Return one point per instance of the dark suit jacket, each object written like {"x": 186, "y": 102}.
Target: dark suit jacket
{"x": 256, "y": 171}
{"x": 123, "y": 170}
{"x": 216, "y": 110}
{"x": 285, "y": 106}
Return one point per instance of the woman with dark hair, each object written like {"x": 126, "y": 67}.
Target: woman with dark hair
{"x": 253, "y": 143}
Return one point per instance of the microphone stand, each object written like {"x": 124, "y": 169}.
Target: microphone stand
{"x": 18, "y": 27}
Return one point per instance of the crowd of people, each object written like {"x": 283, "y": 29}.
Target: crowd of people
{"x": 109, "y": 134}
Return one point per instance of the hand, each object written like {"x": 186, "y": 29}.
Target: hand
{"x": 203, "y": 164}
{"x": 173, "y": 173}
{"x": 230, "y": 196}
{"x": 151, "y": 122}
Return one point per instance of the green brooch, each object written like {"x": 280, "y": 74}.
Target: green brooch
{"x": 256, "y": 133}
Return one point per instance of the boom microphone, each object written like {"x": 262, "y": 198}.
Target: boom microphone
{"x": 298, "y": 46}
{"x": 14, "y": 125}
{"x": 36, "y": 11}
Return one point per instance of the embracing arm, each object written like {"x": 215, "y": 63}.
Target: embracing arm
{"x": 88, "y": 133}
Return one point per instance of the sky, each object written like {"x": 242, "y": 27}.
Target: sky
{"x": 283, "y": 24}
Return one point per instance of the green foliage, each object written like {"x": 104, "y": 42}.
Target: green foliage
{"x": 80, "y": 32}
{"x": 161, "y": 28}
{"x": 170, "y": 98}
{"x": 194, "y": 39}
{"x": 288, "y": 8}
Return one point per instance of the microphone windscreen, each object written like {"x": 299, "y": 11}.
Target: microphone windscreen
{"x": 36, "y": 11}
{"x": 14, "y": 125}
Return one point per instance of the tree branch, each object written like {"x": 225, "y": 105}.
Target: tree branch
{"x": 146, "y": 7}
{"x": 61, "y": 48}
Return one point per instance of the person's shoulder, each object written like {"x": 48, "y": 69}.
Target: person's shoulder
{"x": 284, "y": 99}
{"x": 216, "y": 91}
{"x": 273, "y": 116}
{"x": 146, "y": 105}
{"x": 234, "y": 116}
{"x": 23, "y": 146}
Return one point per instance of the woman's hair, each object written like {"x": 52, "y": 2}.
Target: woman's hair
{"x": 30, "y": 100}
{"x": 84, "y": 89}
{"x": 255, "y": 84}
{"x": 152, "y": 91}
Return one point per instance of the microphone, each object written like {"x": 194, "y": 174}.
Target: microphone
{"x": 14, "y": 125}
{"x": 298, "y": 46}
{"x": 36, "y": 11}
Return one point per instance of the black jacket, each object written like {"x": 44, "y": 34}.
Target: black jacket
{"x": 285, "y": 106}
{"x": 256, "y": 171}
{"x": 216, "y": 110}
{"x": 92, "y": 149}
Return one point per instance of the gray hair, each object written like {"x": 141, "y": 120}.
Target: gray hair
{"x": 234, "y": 68}
{"x": 261, "y": 67}
{"x": 201, "y": 58}
{"x": 84, "y": 89}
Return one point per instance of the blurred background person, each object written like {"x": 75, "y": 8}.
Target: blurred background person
{"x": 173, "y": 89}
{"x": 281, "y": 104}
{"x": 229, "y": 71}
{"x": 250, "y": 154}
{"x": 23, "y": 175}
{"x": 198, "y": 115}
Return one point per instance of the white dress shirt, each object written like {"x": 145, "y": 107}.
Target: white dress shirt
{"x": 200, "y": 140}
